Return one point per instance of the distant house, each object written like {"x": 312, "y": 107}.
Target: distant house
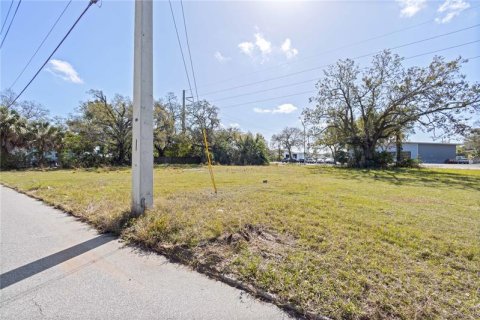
{"x": 427, "y": 152}
{"x": 295, "y": 155}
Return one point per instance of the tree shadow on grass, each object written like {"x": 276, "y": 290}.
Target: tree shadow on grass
{"x": 406, "y": 177}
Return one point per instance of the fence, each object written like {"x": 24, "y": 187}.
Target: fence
{"x": 178, "y": 160}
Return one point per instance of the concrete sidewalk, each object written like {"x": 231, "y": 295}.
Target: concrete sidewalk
{"x": 54, "y": 267}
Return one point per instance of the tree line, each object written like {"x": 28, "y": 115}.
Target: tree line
{"x": 353, "y": 113}
{"x": 99, "y": 132}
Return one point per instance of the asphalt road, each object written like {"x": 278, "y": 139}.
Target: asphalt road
{"x": 471, "y": 166}
{"x": 54, "y": 267}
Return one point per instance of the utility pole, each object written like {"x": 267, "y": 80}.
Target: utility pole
{"x": 304, "y": 140}
{"x": 183, "y": 112}
{"x": 142, "y": 138}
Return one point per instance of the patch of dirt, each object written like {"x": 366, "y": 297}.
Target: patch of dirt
{"x": 213, "y": 257}
{"x": 218, "y": 252}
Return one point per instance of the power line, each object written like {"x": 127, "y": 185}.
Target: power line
{"x": 41, "y": 44}
{"x": 11, "y": 22}
{"x": 265, "y": 90}
{"x": 332, "y": 50}
{"x": 251, "y": 125}
{"x": 314, "y": 79}
{"x": 428, "y": 39}
{"x": 435, "y": 51}
{"x": 189, "y": 53}
{"x": 180, "y": 46}
{"x": 6, "y": 17}
{"x": 472, "y": 58}
{"x": 305, "y": 92}
{"x": 269, "y": 99}
{"x": 323, "y": 66}
{"x": 55, "y": 50}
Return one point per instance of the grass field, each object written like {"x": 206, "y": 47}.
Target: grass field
{"x": 334, "y": 242}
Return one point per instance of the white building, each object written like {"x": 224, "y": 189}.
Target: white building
{"x": 295, "y": 155}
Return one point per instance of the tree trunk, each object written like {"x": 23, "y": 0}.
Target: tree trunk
{"x": 398, "y": 145}
{"x": 368, "y": 157}
{"x": 121, "y": 154}
{"x": 161, "y": 151}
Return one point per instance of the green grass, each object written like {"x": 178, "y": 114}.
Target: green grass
{"x": 335, "y": 242}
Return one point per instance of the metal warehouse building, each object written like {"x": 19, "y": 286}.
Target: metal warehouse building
{"x": 428, "y": 152}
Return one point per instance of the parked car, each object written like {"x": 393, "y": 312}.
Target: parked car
{"x": 330, "y": 160}
{"x": 462, "y": 160}
{"x": 310, "y": 160}
{"x": 458, "y": 160}
{"x": 320, "y": 160}
{"x": 288, "y": 160}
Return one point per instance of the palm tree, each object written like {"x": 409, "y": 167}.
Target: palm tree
{"x": 13, "y": 129}
{"x": 43, "y": 138}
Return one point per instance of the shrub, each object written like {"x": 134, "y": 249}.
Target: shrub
{"x": 383, "y": 159}
{"x": 409, "y": 163}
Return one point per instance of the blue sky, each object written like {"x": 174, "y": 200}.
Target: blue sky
{"x": 233, "y": 44}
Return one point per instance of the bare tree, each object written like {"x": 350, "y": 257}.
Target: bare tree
{"x": 290, "y": 137}
{"x": 30, "y": 110}
{"x": 276, "y": 144}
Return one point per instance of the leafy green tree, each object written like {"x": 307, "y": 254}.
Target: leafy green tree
{"x": 231, "y": 146}
{"x": 110, "y": 123}
{"x": 163, "y": 128}
{"x": 224, "y": 148}
{"x": 252, "y": 150}
{"x": 201, "y": 115}
{"x": 472, "y": 143}
{"x": 372, "y": 104}
{"x": 332, "y": 139}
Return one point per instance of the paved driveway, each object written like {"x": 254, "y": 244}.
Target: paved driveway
{"x": 475, "y": 166}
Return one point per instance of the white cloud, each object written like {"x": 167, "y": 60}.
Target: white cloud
{"x": 411, "y": 7}
{"x": 288, "y": 50}
{"x": 246, "y": 47}
{"x": 260, "y": 48}
{"x": 259, "y": 110}
{"x": 263, "y": 44}
{"x": 220, "y": 58}
{"x": 450, "y": 9}
{"x": 64, "y": 70}
{"x": 283, "y": 108}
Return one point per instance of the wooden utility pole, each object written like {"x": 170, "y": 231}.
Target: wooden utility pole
{"x": 142, "y": 132}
